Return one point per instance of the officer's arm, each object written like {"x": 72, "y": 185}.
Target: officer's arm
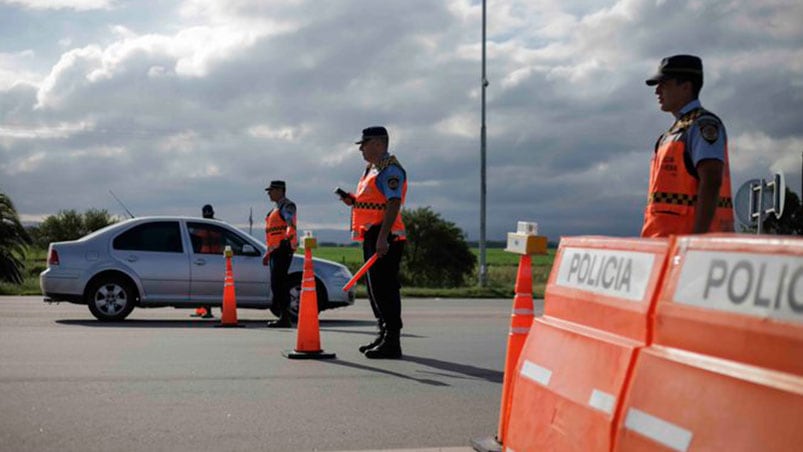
{"x": 391, "y": 211}
{"x": 289, "y": 215}
{"x": 710, "y": 173}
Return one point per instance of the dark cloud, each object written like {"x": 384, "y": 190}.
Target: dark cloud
{"x": 206, "y": 102}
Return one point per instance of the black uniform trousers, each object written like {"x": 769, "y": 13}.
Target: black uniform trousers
{"x": 280, "y": 260}
{"x": 383, "y": 280}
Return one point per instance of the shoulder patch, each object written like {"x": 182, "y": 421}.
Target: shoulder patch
{"x": 393, "y": 183}
{"x": 709, "y": 129}
{"x": 290, "y": 208}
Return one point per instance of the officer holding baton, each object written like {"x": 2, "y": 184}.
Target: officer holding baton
{"x": 376, "y": 222}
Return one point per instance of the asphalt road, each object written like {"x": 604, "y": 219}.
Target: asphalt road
{"x": 163, "y": 381}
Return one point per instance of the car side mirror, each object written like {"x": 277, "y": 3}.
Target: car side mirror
{"x": 249, "y": 250}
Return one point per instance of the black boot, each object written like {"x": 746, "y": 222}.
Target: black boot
{"x": 388, "y": 348}
{"x": 379, "y": 335}
{"x": 282, "y": 322}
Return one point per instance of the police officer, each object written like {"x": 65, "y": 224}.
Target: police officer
{"x": 690, "y": 187}
{"x": 209, "y": 245}
{"x": 282, "y": 240}
{"x": 376, "y": 221}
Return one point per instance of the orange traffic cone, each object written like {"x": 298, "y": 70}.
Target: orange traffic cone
{"x": 228, "y": 317}
{"x": 520, "y": 322}
{"x": 308, "y": 342}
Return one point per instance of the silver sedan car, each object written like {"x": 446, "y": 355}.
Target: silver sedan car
{"x": 153, "y": 262}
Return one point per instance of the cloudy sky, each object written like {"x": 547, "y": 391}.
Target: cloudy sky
{"x": 173, "y": 104}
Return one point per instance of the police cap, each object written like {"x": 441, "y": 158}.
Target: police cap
{"x": 274, "y": 184}
{"x": 372, "y": 132}
{"x": 687, "y": 66}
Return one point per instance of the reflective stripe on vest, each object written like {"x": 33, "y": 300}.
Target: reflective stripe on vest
{"x": 672, "y": 198}
{"x": 682, "y": 199}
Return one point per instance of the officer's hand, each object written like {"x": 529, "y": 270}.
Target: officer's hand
{"x": 382, "y": 246}
{"x": 347, "y": 200}
{"x": 266, "y": 259}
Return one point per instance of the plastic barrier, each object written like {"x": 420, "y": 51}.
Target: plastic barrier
{"x": 577, "y": 357}
{"x": 725, "y": 369}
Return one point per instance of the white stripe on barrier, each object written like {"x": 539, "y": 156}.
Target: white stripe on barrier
{"x": 659, "y": 430}
{"x": 602, "y": 401}
{"x": 536, "y": 373}
{"x": 523, "y": 311}
{"x": 519, "y": 330}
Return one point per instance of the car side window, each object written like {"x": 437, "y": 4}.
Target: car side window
{"x": 159, "y": 236}
{"x": 213, "y": 239}
{"x": 206, "y": 238}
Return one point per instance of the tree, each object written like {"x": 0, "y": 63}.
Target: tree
{"x": 14, "y": 241}
{"x": 70, "y": 225}
{"x": 436, "y": 253}
{"x": 791, "y": 222}
{"x": 95, "y": 219}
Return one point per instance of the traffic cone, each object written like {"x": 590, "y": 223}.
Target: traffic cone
{"x": 228, "y": 317}
{"x": 308, "y": 341}
{"x": 520, "y": 321}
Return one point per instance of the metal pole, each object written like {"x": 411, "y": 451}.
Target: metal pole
{"x": 483, "y": 276}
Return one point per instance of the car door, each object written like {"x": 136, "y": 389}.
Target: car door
{"x": 208, "y": 266}
{"x": 155, "y": 253}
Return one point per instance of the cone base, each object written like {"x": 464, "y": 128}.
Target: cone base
{"x": 320, "y": 354}
{"x": 229, "y": 325}
{"x": 487, "y": 444}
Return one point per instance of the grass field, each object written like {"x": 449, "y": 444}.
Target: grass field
{"x": 502, "y": 270}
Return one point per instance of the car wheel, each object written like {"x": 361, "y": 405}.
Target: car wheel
{"x": 110, "y": 298}
{"x": 295, "y": 295}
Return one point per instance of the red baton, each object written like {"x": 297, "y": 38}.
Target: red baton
{"x": 360, "y": 272}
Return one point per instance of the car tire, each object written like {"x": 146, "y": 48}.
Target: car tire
{"x": 110, "y": 298}
{"x": 295, "y": 296}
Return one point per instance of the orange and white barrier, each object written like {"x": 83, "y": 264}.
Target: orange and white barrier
{"x": 576, "y": 360}
{"x": 725, "y": 368}
{"x": 228, "y": 312}
{"x": 308, "y": 338}
{"x": 521, "y": 318}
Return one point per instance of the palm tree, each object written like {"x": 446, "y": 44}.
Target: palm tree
{"x": 14, "y": 241}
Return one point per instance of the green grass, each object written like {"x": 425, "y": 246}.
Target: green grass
{"x": 502, "y": 270}
{"x": 35, "y": 263}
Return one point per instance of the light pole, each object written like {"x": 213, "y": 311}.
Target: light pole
{"x": 483, "y": 276}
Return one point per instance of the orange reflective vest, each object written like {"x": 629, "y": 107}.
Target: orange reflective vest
{"x": 276, "y": 229}
{"x": 370, "y": 203}
{"x": 210, "y": 242}
{"x": 672, "y": 195}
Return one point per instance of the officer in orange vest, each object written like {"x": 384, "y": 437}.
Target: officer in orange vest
{"x": 376, "y": 222}
{"x": 210, "y": 244}
{"x": 690, "y": 186}
{"x": 282, "y": 240}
